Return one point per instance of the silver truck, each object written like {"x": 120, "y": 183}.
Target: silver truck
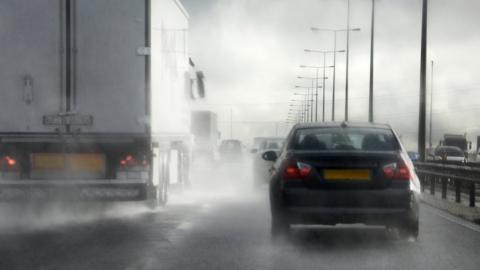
{"x": 204, "y": 128}
{"x": 93, "y": 99}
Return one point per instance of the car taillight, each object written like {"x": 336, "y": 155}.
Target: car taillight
{"x": 397, "y": 171}
{"x": 296, "y": 170}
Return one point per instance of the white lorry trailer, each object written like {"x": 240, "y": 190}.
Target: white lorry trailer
{"x": 94, "y": 101}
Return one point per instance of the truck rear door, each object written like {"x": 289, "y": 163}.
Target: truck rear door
{"x": 109, "y": 66}
{"x": 31, "y": 64}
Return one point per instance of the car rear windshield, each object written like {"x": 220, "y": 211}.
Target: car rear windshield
{"x": 344, "y": 139}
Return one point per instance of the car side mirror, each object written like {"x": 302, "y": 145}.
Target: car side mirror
{"x": 270, "y": 156}
{"x": 253, "y": 151}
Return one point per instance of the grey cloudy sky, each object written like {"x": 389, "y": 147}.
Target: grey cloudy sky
{"x": 250, "y": 51}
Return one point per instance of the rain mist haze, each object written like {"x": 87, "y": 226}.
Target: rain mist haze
{"x": 251, "y": 50}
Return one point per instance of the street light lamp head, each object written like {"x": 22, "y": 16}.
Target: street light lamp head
{"x": 307, "y": 50}
{"x": 355, "y": 29}
{"x": 342, "y": 51}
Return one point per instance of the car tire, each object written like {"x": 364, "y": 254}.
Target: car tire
{"x": 280, "y": 228}
{"x": 409, "y": 230}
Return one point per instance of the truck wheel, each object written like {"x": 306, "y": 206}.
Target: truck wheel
{"x": 162, "y": 193}
{"x": 158, "y": 197}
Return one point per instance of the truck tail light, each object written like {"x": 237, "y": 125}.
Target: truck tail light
{"x": 396, "y": 171}
{"x": 131, "y": 161}
{"x": 10, "y": 161}
{"x": 296, "y": 170}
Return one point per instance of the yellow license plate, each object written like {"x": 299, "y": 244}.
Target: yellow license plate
{"x": 45, "y": 161}
{"x": 362, "y": 175}
{"x": 87, "y": 162}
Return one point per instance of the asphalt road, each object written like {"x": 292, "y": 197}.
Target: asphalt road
{"x": 221, "y": 223}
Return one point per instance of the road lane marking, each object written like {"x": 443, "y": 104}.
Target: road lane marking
{"x": 452, "y": 218}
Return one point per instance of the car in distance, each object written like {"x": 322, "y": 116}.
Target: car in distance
{"x": 449, "y": 154}
{"x": 260, "y": 166}
{"x": 414, "y": 156}
{"x": 340, "y": 173}
{"x": 231, "y": 150}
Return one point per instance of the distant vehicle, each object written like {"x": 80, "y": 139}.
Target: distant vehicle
{"x": 231, "y": 150}
{"x": 456, "y": 140}
{"x": 449, "y": 154}
{"x": 261, "y": 167}
{"x": 262, "y": 143}
{"x": 414, "y": 156}
{"x": 332, "y": 173}
{"x": 204, "y": 128}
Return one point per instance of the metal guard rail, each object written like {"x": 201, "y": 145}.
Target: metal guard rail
{"x": 460, "y": 178}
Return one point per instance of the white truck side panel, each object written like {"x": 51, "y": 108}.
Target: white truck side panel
{"x": 30, "y": 64}
{"x": 169, "y": 59}
{"x": 109, "y": 73}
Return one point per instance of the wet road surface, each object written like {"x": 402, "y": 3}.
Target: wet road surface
{"x": 223, "y": 223}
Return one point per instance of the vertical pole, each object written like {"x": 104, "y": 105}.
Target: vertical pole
{"x": 311, "y": 103}
{"x": 431, "y": 104}
{"x": 316, "y": 96}
{"x": 231, "y": 123}
{"x": 372, "y": 33}
{"x": 472, "y": 194}
{"x": 334, "y": 68}
{"x": 323, "y": 86}
{"x": 423, "y": 66}
{"x": 307, "y": 106}
{"x": 307, "y": 97}
{"x": 348, "y": 53}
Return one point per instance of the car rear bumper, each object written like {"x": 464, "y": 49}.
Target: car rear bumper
{"x": 371, "y": 207}
{"x": 73, "y": 190}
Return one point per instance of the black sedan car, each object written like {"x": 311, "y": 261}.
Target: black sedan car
{"x": 343, "y": 173}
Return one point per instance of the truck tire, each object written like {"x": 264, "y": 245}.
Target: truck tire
{"x": 163, "y": 194}
{"x": 158, "y": 196}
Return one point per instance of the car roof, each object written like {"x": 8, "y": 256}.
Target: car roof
{"x": 342, "y": 124}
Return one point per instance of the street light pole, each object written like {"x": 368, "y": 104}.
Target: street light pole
{"x": 370, "y": 96}
{"x": 334, "y": 68}
{"x": 311, "y": 103}
{"x": 423, "y": 69}
{"x": 324, "y": 67}
{"x": 316, "y": 95}
{"x": 323, "y": 86}
{"x": 334, "y": 31}
{"x": 348, "y": 53}
{"x": 431, "y": 105}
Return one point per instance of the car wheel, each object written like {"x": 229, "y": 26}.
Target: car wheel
{"x": 279, "y": 227}
{"x": 409, "y": 230}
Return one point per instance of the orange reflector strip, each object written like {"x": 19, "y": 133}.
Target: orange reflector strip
{"x": 45, "y": 161}
{"x": 87, "y": 162}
